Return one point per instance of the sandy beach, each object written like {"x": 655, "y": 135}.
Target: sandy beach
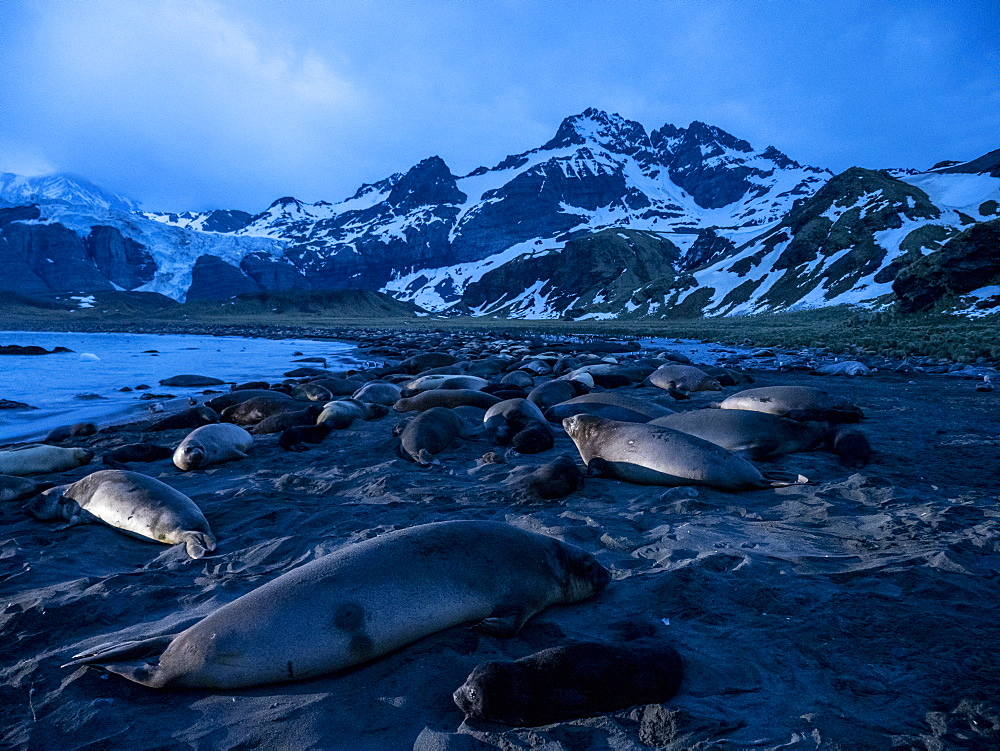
{"x": 858, "y": 611}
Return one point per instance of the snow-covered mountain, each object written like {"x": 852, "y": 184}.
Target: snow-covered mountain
{"x": 606, "y": 219}
{"x": 16, "y": 190}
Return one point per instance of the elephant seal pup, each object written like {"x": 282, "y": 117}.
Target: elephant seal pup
{"x": 429, "y": 433}
{"x": 312, "y": 392}
{"x": 533, "y": 438}
{"x": 65, "y": 432}
{"x": 135, "y": 452}
{"x": 378, "y": 392}
{"x": 137, "y": 504}
{"x": 219, "y": 403}
{"x": 554, "y": 480}
{"x": 341, "y": 413}
{"x": 363, "y": 601}
{"x": 38, "y": 459}
{"x": 294, "y": 439}
{"x": 212, "y": 444}
{"x": 187, "y": 418}
{"x": 17, "y": 488}
{"x": 504, "y": 419}
{"x": 795, "y": 402}
{"x": 650, "y": 455}
{"x": 285, "y": 420}
{"x": 852, "y": 446}
{"x": 254, "y": 410}
{"x": 446, "y": 398}
{"x": 683, "y": 378}
{"x": 430, "y": 382}
{"x": 610, "y": 406}
{"x": 570, "y": 682}
{"x": 759, "y": 434}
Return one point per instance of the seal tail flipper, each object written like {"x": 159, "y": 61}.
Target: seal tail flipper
{"x": 425, "y": 458}
{"x": 198, "y": 543}
{"x": 506, "y": 622}
{"x": 776, "y": 479}
{"x": 145, "y": 674}
{"x": 124, "y": 650}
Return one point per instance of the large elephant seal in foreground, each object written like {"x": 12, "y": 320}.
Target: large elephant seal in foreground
{"x": 136, "y": 504}
{"x": 759, "y": 434}
{"x": 651, "y": 455}
{"x": 795, "y": 402}
{"x": 212, "y": 444}
{"x": 569, "y": 682}
{"x": 38, "y": 459}
{"x": 365, "y": 600}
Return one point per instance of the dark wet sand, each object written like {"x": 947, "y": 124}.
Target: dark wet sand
{"x": 856, "y": 612}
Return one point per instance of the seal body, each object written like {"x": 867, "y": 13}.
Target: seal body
{"x": 311, "y": 392}
{"x": 252, "y": 411}
{"x": 430, "y": 382}
{"x": 378, "y": 392}
{"x": 446, "y": 398}
{"x": 285, "y": 420}
{"x": 759, "y": 434}
{"x": 37, "y": 459}
{"x": 611, "y": 406}
{"x": 65, "y": 432}
{"x": 212, "y": 444}
{"x": 187, "y": 418}
{"x": 652, "y": 455}
{"x": 136, "y": 452}
{"x": 552, "y": 393}
{"x": 795, "y": 402}
{"x": 370, "y": 598}
{"x": 430, "y": 433}
{"x": 17, "y": 488}
{"x": 221, "y": 402}
{"x": 569, "y": 682}
{"x": 683, "y": 378}
{"x": 294, "y": 439}
{"x": 340, "y": 414}
{"x": 556, "y": 479}
{"x": 504, "y": 420}
{"x": 136, "y": 504}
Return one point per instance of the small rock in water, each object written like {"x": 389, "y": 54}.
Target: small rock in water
{"x": 8, "y": 404}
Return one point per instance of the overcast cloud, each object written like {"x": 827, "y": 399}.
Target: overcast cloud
{"x": 196, "y": 104}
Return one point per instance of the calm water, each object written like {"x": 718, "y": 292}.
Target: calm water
{"x": 53, "y": 382}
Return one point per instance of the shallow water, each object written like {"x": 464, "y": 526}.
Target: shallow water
{"x": 53, "y": 382}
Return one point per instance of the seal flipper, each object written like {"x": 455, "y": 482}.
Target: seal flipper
{"x": 124, "y": 650}
{"x": 505, "y": 622}
{"x": 145, "y": 674}
{"x": 776, "y": 479}
{"x": 198, "y": 543}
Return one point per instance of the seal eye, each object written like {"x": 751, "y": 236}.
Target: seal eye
{"x": 472, "y": 693}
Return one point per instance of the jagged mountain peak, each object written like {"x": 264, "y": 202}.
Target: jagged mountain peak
{"x": 429, "y": 182}
{"x": 612, "y": 131}
{"x": 63, "y": 188}
{"x": 987, "y": 164}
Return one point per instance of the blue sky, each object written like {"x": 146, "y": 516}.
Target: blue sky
{"x": 197, "y": 104}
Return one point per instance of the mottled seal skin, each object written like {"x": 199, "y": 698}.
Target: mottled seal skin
{"x": 136, "y": 504}
{"x": 254, "y": 410}
{"x": 136, "y": 452}
{"x": 378, "y": 392}
{"x": 294, "y": 439}
{"x": 554, "y": 480}
{"x": 611, "y": 406}
{"x": 221, "y": 402}
{"x": 17, "y": 488}
{"x": 38, "y": 459}
{"x": 194, "y": 417}
{"x": 65, "y": 432}
{"x": 446, "y": 398}
{"x": 570, "y": 682}
{"x": 795, "y": 402}
{"x": 684, "y": 378}
{"x": 285, "y": 420}
{"x": 363, "y": 601}
{"x": 212, "y": 444}
{"x": 852, "y": 446}
{"x": 429, "y": 433}
{"x": 759, "y": 434}
{"x": 652, "y": 455}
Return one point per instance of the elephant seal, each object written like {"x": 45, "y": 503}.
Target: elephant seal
{"x": 135, "y": 452}
{"x": 430, "y": 382}
{"x": 219, "y": 403}
{"x": 38, "y": 459}
{"x": 312, "y": 392}
{"x": 254, "y": 410}
{"x": 294, "y": 439}
{"x": 446, "y": 398}
{"x": 651, "y": 455}
{"x": 759, "y": 434}
{"x": 137, "y": 504}
{"x": 257, "y": 385}
{"x": 429, "y": 433}
{"x": 191, "y": 380}
{"x": 17, "y": 488}
{"x": 285, "y": 420}
{"x": 518, "y": 378}
{"x": 341, "y": 413}
{"x": 552, "y": 393}
{"x": 796, "y": 403}
{"x": 363, "y": 601}
{"x": 337, "y": 386}
{"x": 425, "y": 361}
{"x": 212, "y": 444}
{"x": 65, "y": 432}
{"x": 556, "y": 479}
{"x": 610, "y": 406}
{"x": 852, "y": 446}
{"x": 683, "y": 378}
{"x": 504, "y": 419}
{"x": 378, "y": 392}
{"x": 533, "y": 438}
{"x": 570, "y": 682}
{"x": 187, "y": 418}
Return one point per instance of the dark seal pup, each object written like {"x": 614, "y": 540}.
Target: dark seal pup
{"x": 556, "y": 479}
{"x": 294, "y": 439}
{"x": 565, "y": 683}
{"x": 65, "y": 432}
{"x": 136, "y": 452}
{"x": 363, "y": 601}
{"x": 187, "y": 418}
